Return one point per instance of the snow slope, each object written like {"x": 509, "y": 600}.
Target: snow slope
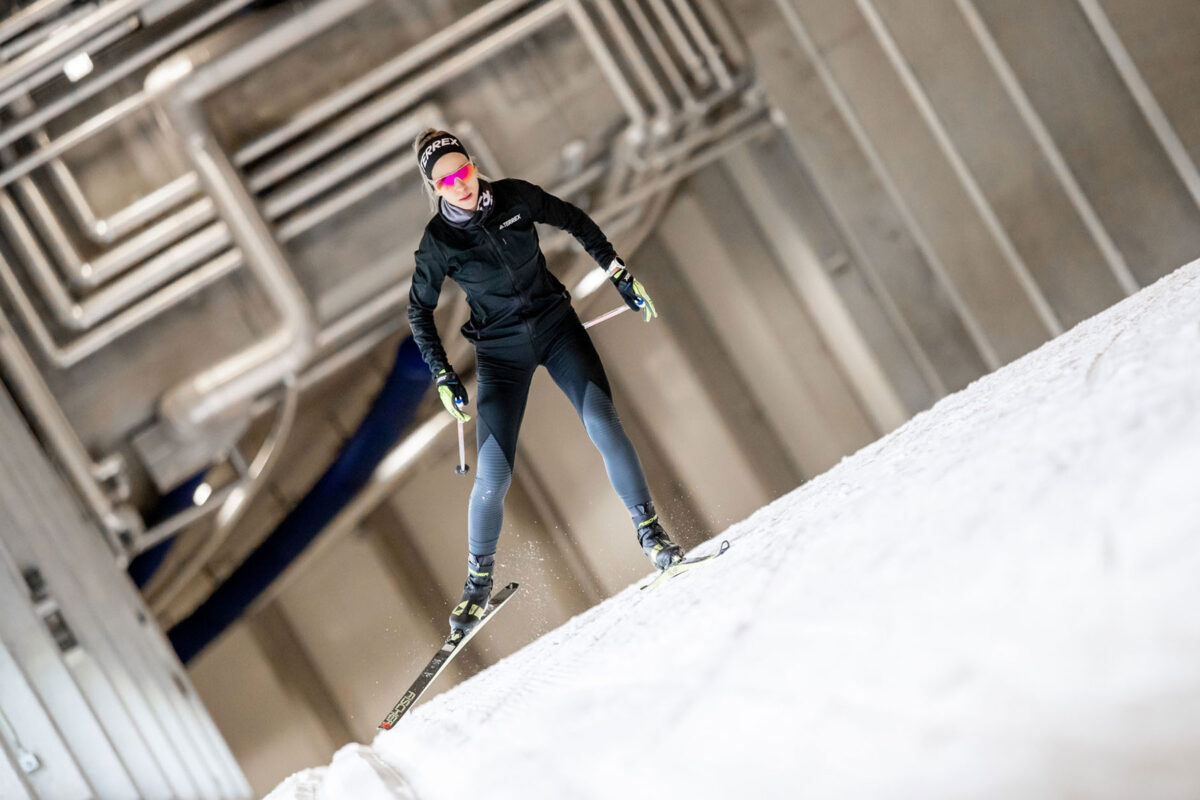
{"x": 1000, "y": 599}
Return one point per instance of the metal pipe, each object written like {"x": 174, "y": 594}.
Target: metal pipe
{"x": 608, "y": 65}
{"x": 174, "y": 524}
{"x": 379, "y": 110}
{"x": 15, "y": 72}
{"x": 687, "y": 51}
{"x": 641, "y": 70}
{"x": 378, "y": 178}
{"x": 133, "y": 317}
{"x": 700, "y": 35}
{"x": 1004, "y": 243}
{"x": 84, "y": 316}
{"x": 179, "y": 89}
{"x": 120, "y": 258}
{"x": 191, "y": 217}
{"x": 380, "y": 305}
{"x": 127, "y": 219}
{"x": 234, "y": 507}
{"x": 106, "y": 119}
{"x": 585, "y": 178}
{"x": 192, "y": 403}
{"x": 420, "y": 53}
{"x": 384, "y": 142}
{"x": 56, "y": 68}
{"x": 666, "y": 180}
{"x": 98, "y": 83}
{"x": 731, "y": 40}
{"x": 680, "y": 149}
{"x": 339, "y": 359}
{"x": 47, "y": 415}
{"x": 659, "y": 51}
{"x": 165, "y": 298}
{"x": 10, "y": 50}
{"x": 25, "y": 18}
{"x": 392, "y": 470}
{"x": 696, "y": 161}
{"x": 178, "y": 258}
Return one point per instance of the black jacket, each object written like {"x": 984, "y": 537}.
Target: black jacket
{"x": 500, "y": 267}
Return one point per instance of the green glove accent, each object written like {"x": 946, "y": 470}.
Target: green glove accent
{"x": 634, "y": 294}
{"x": 453, "y": 394}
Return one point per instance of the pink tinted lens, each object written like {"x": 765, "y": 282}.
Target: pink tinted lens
{"x": 461, "y": 174}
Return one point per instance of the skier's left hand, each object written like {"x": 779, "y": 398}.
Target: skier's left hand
{"x": 632, "y": 291}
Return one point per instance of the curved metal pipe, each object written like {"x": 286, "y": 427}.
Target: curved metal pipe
{"x": 237, "y": 502}
{"x": 27, "y": 125}
{"x": 178, "y": 88}
{"x": 189, "y": 405}
{"x": 356, "y": 464}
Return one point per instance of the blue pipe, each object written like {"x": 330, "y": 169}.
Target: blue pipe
{"x": 391, "y": 412}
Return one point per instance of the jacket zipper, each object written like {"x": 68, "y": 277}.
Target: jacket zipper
{"x": 512, "y": 278}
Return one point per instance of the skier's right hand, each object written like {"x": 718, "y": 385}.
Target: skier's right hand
{"x": 453, "y": 394}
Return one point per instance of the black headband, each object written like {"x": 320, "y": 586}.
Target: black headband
{"x": 430, "y": 153}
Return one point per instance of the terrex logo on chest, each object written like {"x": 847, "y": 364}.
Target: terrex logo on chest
{"x": 509, "y": 221}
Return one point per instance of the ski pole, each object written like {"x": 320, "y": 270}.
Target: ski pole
{"x": 607, "y": 315}
{"x": 463, "y": 467}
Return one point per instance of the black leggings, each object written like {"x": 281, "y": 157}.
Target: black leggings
{"x": 504, "y": 369}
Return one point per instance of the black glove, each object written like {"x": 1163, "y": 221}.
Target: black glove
{"x": 632, "y": 291}
{"x": 453, "y": 394}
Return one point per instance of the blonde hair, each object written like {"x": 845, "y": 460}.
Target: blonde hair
{"x": 423, "y": 138}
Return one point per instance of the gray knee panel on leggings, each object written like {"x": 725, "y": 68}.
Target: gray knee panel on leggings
{"x": 485, "y": 513}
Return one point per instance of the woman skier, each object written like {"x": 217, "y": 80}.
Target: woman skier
{"x": 482, "y": 236}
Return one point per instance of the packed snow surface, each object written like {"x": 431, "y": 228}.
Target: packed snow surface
{"x": 1000, "y": 599}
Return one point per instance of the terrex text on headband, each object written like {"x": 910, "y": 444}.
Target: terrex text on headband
{"x": 446, "y": 143}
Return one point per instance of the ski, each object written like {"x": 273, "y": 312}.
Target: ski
{"x": 454, "y": 642}
{"x": 683, "y": 566}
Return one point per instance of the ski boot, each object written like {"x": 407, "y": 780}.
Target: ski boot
{"x": 476, "y": 591}
{"x": 655, "y": 543}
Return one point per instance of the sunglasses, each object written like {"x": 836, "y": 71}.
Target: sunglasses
{"x": 463, "y": 173}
